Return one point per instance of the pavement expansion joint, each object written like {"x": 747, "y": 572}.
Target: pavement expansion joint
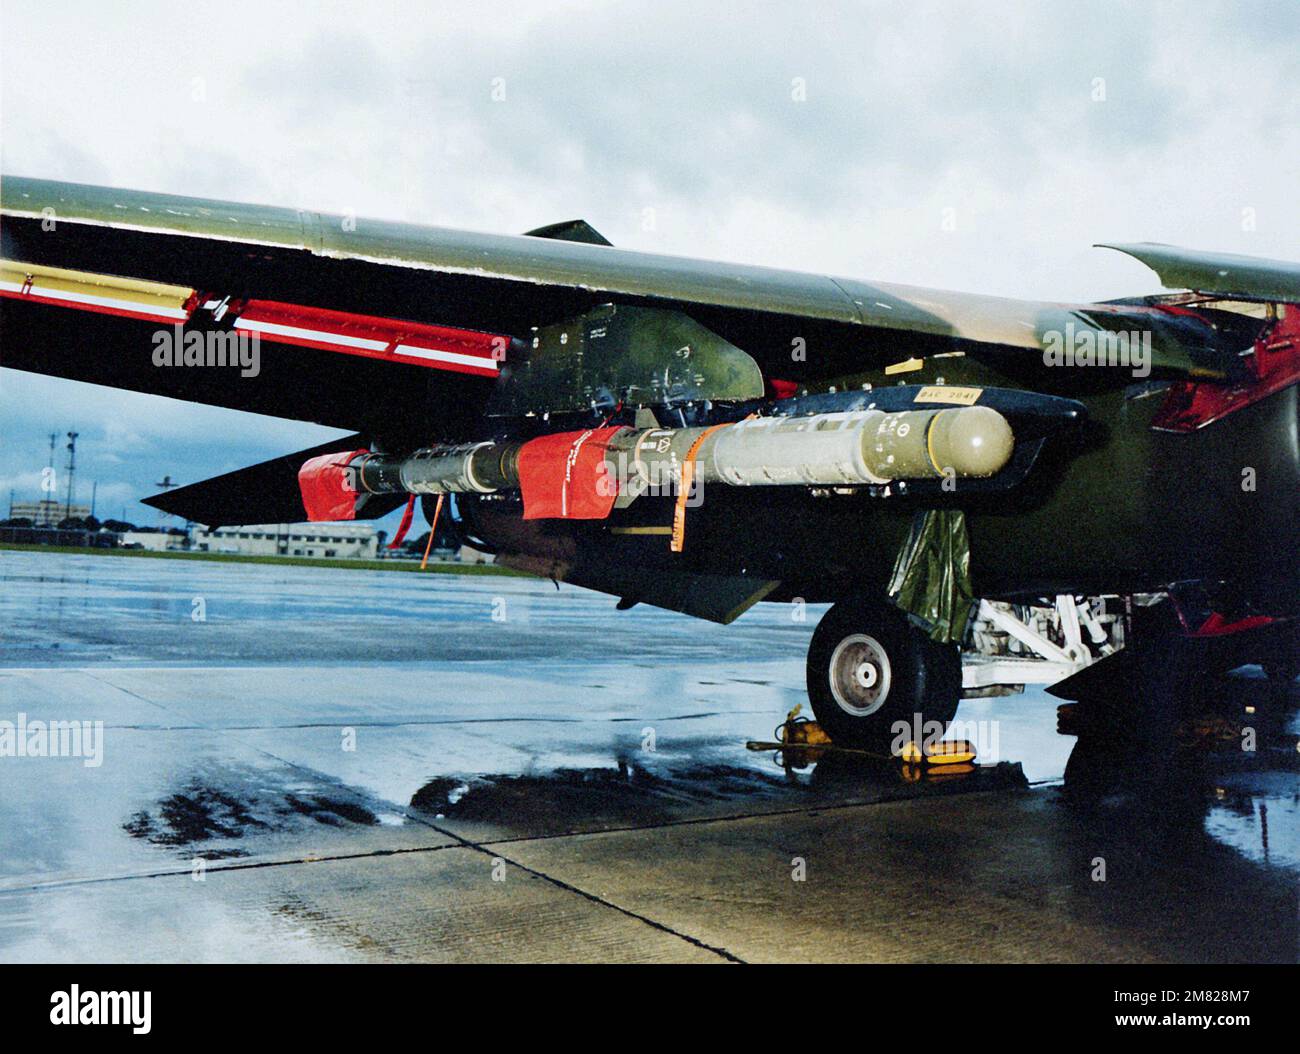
{"x": 215, "y": 868}
{"x": 568, "y": 887}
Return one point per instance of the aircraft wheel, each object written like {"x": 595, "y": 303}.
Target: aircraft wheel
{"x": 869, "y": 668}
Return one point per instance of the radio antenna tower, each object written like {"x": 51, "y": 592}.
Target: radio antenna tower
{"x": 72, "y": 472}
{"x": 46, "y": 514}
{"x": 167, "y": 484}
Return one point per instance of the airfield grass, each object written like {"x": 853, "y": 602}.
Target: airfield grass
{"x": 291, "y": 561}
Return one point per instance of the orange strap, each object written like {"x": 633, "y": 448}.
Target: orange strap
{"x": 684, "y": 491}
{"x": 433, "y": 527}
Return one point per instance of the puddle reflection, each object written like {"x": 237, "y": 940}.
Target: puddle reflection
{"x": 1224, "y": 764}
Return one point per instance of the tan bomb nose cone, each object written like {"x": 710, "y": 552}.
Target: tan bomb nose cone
{"x": 971, "y": 441}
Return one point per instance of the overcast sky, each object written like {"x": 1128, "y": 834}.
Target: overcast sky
{"x": 980, "y": 146}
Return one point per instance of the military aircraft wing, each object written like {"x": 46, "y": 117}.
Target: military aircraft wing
{"x": 390, "y": 328}
{"x": 1229, "y": 274}
{"x": 264, "y": 493}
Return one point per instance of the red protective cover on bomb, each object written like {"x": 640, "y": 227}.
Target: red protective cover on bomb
{"x": 327, "y": 487}
{"x": 563, "y": 476}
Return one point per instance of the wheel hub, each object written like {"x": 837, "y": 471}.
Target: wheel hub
{"x": 860, "y": 675}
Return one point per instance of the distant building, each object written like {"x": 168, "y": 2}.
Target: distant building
{"x": 342, "y": 541}
{"x": 46, "y": 513}
{"x": 154, "y": 541}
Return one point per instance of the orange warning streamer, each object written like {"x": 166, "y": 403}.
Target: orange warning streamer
{"x": 433, "y": 527}
{"x": 684, "y": 491}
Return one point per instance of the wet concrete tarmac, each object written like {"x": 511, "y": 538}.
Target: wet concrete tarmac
{"x": 349, "y": 765}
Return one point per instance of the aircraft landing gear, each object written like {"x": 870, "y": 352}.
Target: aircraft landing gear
{"x": 869, "y": 668}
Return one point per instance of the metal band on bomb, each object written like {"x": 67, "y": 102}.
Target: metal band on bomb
{"x": 479, "y": 468}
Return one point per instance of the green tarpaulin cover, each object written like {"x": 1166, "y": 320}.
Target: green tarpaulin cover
{"x": 931, "y": 577}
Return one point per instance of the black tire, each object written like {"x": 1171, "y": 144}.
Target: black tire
{"x": 869, "y": 667}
